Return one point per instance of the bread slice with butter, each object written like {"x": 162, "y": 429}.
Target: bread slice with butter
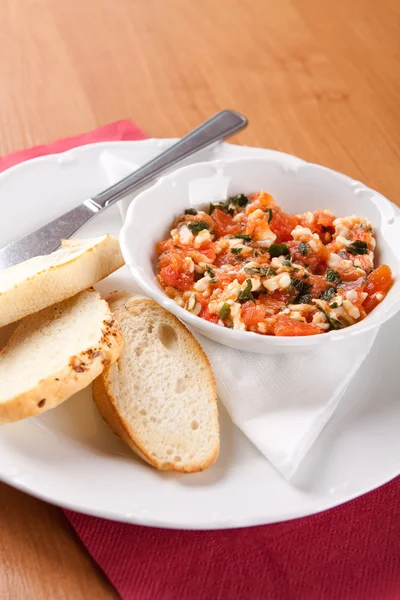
{"x": 160, "y": 395}
{"x": 42, "y": 281}
{"x": 56, "y": 353}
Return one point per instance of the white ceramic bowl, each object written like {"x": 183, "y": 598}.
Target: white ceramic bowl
{"x": 296, "y": 188}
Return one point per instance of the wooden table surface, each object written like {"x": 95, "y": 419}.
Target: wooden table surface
{"x": 316, "y": 78}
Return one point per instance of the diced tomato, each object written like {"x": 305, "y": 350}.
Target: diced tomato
{"x": 349, "y": 275}
{"x": 252, "y": 313}
{"x": 360, "y": 233}
{"x": 226, "y": 278}
{"x": 353, "y": 284}
{"x": 323, "y": 219}
{"x": 224, "y": 223}
{"x": 199, "y": 217}
{"x": 378, "y": 282}
{"x": 174, "y": 270}
{"x": 271, "y": 304}
{"x": 286, "y": 296}
{"x": 263, "y": 199}
{"x": 286, "y": 326}
{"x": 282, "y": 225}
{"x": 205, "y": 314}
{"x": 207, "y": 249}
{"x": 180, "y": 279}
{"x": 318, "y": 284}
{"x": 322, "y": 224}
{"x": 257, "y": 228}
{"x": 315, "y": 261}
{"x": 364, "y": 262}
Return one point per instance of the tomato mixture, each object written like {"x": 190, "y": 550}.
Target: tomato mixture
{"x": 247, "y": 265}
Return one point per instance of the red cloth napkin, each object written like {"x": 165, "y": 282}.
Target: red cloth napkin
{"x": 348, "y": 553}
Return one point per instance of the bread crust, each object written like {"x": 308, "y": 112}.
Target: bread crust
{"x": 108, "y": 404}
{"x": 80, "y": 370}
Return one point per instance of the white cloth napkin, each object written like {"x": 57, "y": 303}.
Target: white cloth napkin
{"x": 280, "y": 402}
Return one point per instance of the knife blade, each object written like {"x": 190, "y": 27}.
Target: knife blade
{"x": 46, "y": 239}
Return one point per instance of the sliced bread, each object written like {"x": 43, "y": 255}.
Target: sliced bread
{"x": 44, "y": 280}
{"x": 55, "y": 353}
{"x": 160, "y": 395}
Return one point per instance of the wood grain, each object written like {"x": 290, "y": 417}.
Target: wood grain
{"x": 316, "y": 78}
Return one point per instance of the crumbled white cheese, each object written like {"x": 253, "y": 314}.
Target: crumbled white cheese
{"x": 351, "y": 310}
{"x": 265, "y": 243}
{"x": 262, "y": 328}
{"x": 277, "y": 261}
{"x": 185, "y": 235}
{"x": 236, "y": 318}
{"x": 309, "y": 217}
{"x": 336, "y": 261}
{"x": 340, "y": 239}
{"x": 192, "y": 301}
{"x": 352, "y": 295}
{"x": 284, "y": 280}
{"x": 271, "y": 284}
{"x": 302, "y": 307}
{"x": 201, "y": 237}
{"x": 256, "y": 214}
{"x": 297, "y": 316}
{"x": 190, "y": 263}
{"x": 255, "y": 284}
{"x": 197, "y": 308}
{"x": 379, "y": 297}
{"x": 299, "y": 231}
{"x": 202, "y": 284}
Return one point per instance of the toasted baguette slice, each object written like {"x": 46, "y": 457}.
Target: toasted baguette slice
{"x": 160, "y": 396}
{"x": 55, "y": 353}
{"x": 45, "y": 280}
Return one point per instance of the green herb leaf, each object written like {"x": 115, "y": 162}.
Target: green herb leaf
{"x": 260, "y": 271}
{"x": 333, "y": 276}
{"x": 303, "y": 248}
{"x": 212, "y": 280}
{"x": 210, "y": 271}
{"x": 357, "y": 247}
{"x": 246, "y": 295}
{"x": 300, "y": 285}
{"x": 270, "y": 215}
{"x": 279, "y": 250}
{"x": 191, "y": 211}
{"x": 239, "y": 200}
{"x": 287, "y": 263}
{"x": 178, "y": 247}
{"x": 225, "y": 311}
{"x": 328, "y": 294}
{"x": 236, "y": 250}
{"x": 303, "y": 299}
{"x": 224, "y": 206}
{"x": 241, "y": 236}
{"x": 334, "y": 323}
{"x": 197, "y": 226}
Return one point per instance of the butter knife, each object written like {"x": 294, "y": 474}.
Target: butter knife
{"x": 47, "y": 238}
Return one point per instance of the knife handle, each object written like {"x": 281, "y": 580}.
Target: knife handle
{"x": 220, "y": 126}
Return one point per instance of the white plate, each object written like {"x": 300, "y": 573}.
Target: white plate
{"x": 69, "y": 457}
